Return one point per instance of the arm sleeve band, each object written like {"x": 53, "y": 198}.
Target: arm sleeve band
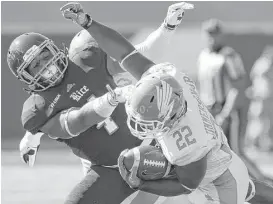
{"x": 66, "y": 123}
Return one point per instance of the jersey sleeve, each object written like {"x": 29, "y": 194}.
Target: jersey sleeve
{"x": 233, "y": 63}
{"x": 33, "y": 115}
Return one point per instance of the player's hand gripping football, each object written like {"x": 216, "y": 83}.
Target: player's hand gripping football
{"x": 175, "y": 14}
{"x": 130, "y": 177}
{"x": 74, "y": 11}
{"x": 29, "y": 147}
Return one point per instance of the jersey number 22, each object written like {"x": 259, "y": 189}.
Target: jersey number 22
{"x": 183, "y": 137}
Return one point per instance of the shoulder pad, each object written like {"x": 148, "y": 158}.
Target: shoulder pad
{"x": 33, "y": 115}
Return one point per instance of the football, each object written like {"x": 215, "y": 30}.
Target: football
{"x": 151, "y": 162}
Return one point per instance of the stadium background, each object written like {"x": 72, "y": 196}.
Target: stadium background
{"x": 248, "y": 30}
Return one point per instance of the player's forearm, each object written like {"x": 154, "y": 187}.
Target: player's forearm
{"x": 164, "y": 187}
{"x": 158, "y": 39}
{"x": 116, "y": 46}
{"x": 112, "y": 42}
{"x": 75, "y": 120}
{"x": 92, "y": 113}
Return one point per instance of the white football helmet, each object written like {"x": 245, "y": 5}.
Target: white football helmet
{"x": 155, "y": 106}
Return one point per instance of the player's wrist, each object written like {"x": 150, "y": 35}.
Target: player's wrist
{"x": 87, "y": 21}
{"x": 168, "y": 27}
{"x": 103, "y": 106}
{"x": 112, "y": 100}
{"x": 171, "y": 25}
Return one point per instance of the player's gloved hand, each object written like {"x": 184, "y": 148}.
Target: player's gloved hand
{"x": 175, "y": 14}
{"x": 129, "y": 177}
{"x": 29, "y": 147}
{"x": 123, "y": 93}
{"x": 74, "y": 11}
{"x": 119, "y": 94}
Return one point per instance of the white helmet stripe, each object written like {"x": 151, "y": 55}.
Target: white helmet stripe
{"x": 163, "y": 100}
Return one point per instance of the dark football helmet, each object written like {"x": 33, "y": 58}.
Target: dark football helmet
{"x": 23, "y": 58}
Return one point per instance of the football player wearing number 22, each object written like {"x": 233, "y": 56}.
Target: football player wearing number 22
{"x": 69, "y": 102}
{"x": 170, "y": 111}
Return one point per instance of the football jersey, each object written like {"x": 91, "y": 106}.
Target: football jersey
{"x": 102, "y": 143}
{"x": 215, "y": 72}
{"x": 196, "y": 135}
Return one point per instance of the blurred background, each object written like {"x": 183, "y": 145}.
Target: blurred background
{"x": 248, "y": 29}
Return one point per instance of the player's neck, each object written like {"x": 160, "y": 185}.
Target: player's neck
{"x": 216, "y": 48}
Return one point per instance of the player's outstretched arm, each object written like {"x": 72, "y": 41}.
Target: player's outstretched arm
{"x": 121, "y": 49}
{"x": 71, "y": 122}
{"x": 158, "y": 41}
{"x": 112, "y": 42}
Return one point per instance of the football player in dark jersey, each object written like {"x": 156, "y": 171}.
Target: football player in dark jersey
{"x": 68, "y": 102}
{"x": 134, "y": 62}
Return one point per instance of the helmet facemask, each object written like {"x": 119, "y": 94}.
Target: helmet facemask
{"x": 144, "y": 129}
{"x": 52, "y": 71}
{"x": 153, "y": 129}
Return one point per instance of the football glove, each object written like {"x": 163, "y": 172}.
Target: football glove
{"x": 175, "y": 14}
{"x": 74, "y": 11}
{"x": 119, "y": 94}
{"x": 29, "y": 147}
{"x": 129, "y": 177}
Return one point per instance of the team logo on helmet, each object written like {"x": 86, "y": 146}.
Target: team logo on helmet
{"x": 164, "y": 104}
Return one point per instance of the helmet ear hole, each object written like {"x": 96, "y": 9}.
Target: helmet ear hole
{"x": 173, "y": 116}
{"x": 176, "y": 93}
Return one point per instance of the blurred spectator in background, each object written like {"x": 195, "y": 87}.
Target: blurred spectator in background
{"x": 260, "y": 130}
{"x": 222, "y": 84}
